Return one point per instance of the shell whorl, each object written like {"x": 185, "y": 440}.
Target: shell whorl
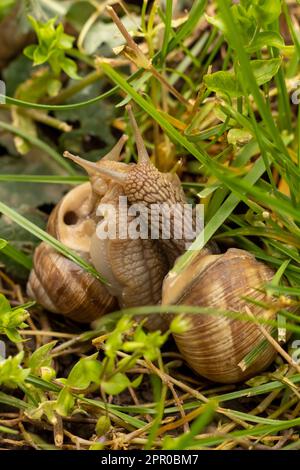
{"x": 215, "y": 345}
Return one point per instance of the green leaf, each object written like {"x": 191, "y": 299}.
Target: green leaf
{"x": 41, "y": 357}
{"x": 266, "y": 38}
{"x": 40, "y": 55}
{"x": 52, "y": 44}
{"x": 265, "y": 70}
{"x": 115, "y": 340}
{"x": 265, "y": 11}
{"x": 179, "y": 324}
{"x": 65, "y": 41}
{"x": 12, "y": 374}
{"x": 13, "y": 335}
{"x": 65, "y": 402}
{"x": 11, "y": 319}
{"x": 117, "y": 384}
{"x": 137, "y": 382}
{"x": 223, "y": 82}
{"x": 30, "y": 50}
{"x": 84, "y": 372}
{"x": 70, "y": 68}
{"x": 246, "y": 22}
{"x": 216, "y": 21}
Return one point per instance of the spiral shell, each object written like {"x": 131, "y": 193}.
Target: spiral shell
{"x": 58, "y": 284}
{"x": 215, "y": 345}
{"x": 62, "y": 286}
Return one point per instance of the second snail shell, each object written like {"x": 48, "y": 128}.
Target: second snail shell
{"x": 215, "y": 345}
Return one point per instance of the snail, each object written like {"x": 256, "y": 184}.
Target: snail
{"x": 134, "y": 268}
{"x": 215, "y": 345}
{"x": 137, "y": 270}
{"x": 56, "y": 282}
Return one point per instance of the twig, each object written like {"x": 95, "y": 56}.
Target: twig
{"x": 139, "y": 58}
{"x": 273, "y": 342}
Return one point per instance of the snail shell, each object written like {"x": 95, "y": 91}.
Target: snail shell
{"x": 214, "y": 345}
{"x": 57, "y": 283}
{"x": 62, "y": 286}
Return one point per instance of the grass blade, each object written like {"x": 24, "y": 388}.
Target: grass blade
{"x": 44, "y": 236}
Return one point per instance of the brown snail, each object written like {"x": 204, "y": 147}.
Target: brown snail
{"x": 56, "y": 282}
{"x": 215, "y": 345}
{"x": 137, "y": 271}
{"x": 59, "y": 284}
{"x": 134, "y": 268}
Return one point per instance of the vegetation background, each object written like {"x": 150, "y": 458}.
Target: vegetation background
{"x": 216, "y": 92}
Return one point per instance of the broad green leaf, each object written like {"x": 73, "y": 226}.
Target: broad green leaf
{"x": 84, "y": 372}
{"x": 40, "y": 56}
{"x": 70, "y": 68}
{"x": 51, "y": 47}
{"x": 265, "y": 70}
{"x": 54, "y": 87}
{"x": 65, "y": 41}
{"x": 265, "y": 11}
{"x": 117, "y": 384}
{"x": 224, "y": 83}
{"x": 65, "y": 402}
{"x": 266, "y": 38}
{"x": 41, "y": 357}
{"x": 11, "y": 320}
{"x": 29, "y": 51}
{"x": 11, "y": 373}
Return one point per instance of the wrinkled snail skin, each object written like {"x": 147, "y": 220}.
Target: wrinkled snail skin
{"x": 134, "y": 268}
{"x": 215, "y": 345}
{"x": 57, "y": 283}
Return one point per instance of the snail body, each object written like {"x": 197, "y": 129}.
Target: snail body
{"x": 136, "y": 269}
